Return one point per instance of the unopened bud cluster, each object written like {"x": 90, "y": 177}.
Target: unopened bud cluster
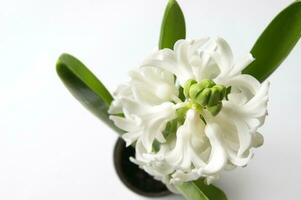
{"x": 207, "y": 94}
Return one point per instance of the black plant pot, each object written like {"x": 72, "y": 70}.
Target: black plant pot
{"x": 136, "y": 179}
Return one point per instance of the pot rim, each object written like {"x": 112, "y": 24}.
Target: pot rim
{"x": 120, "y": 146}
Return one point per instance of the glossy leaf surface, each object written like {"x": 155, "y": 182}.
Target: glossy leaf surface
{"x": 198, "y": 190}
{"x": 85, "y": 87}
{"x": 276, "y": 42}
{"x": 173, "y": 25}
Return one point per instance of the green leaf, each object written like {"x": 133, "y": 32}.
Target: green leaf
{"x": 191, "y": 191}
{"x": 85, "y": 87}
{"x": 173, "y": 25}
{"x": 212, "y": 192}
{"x": 198, "y": 190}
{"x": 276, "y": 42}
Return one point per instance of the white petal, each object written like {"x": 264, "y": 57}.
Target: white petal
{"x": 218, "y": 156}
{"x": 116, "y": 105}
{"x": 241, "y": 64}
{"x": 131, "y": 137}
{"x": 238, "y": 160}
{"x": 211, "y": 178}
{"x": 245, "y": 136}
{"x": 189, "y": 143}
{"x": 180, "y": 176}
{"x": 164, "y": 59}
{"x": 127, "y": 124}
{"x": 131, "y": 125}
{"x": 155, "y": 123}
{"x": 244, "y": 83}
{"x": 153, "y": 86}
{"x": 152, "y": 162}
{"x": 223, "y": 56}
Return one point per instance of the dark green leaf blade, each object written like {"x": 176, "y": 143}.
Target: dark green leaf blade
{"x": 211, "y": 191}
{"x": 191, "y": 191}
{"x": 173, "y": 25}
{"x": 276, "y": 42}
{"x": 85, "y": 87}
{"x": 198, "y": 190}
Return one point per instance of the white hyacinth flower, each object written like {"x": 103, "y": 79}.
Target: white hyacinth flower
{"x": 211, "y": 126}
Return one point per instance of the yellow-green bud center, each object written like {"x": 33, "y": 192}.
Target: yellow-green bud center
{"x": 207, "y": 94}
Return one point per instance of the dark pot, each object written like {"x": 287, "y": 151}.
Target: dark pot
{"x": 132, "y": 176}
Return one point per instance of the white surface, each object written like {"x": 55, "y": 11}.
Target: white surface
{"x": 52, "y": 148}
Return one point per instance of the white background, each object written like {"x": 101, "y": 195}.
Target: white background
{"x": 52, "y": 148}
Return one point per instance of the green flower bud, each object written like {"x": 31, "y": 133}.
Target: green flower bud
{"x": 214, "y": 110}
{"x": 204, "y": 97}
{"x": 222, "y": 91}
{"x": 215, "y": 97}
{"x": 206, "y": 83}
{"x": 194, "y": 91}
{"x": 196, "y": 88}
{"x": 187, "y": 86}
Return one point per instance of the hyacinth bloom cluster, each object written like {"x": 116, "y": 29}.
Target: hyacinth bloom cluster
{"x": 190, "y": 113}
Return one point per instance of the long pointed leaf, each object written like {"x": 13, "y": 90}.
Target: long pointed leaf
{"x": 212, "y": 192}
{"x": 173, "y": 25}
{"x": 191, "y": 191}
{"x": 198, "y": 190}
{"x": 276, "y": 42}
{"x": 85, "y": 87}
